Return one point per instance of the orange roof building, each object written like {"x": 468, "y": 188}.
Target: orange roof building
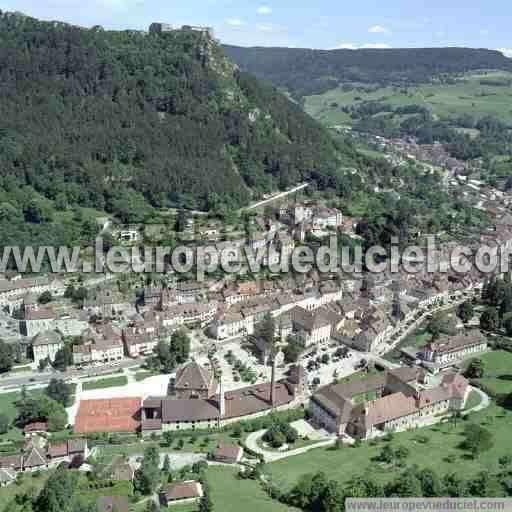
{"x": 108, "y": 415}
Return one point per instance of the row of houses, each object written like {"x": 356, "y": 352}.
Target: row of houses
{"x": 36, "y": 458}
{"x": 242, "y": 318}
{"x": 14, "y": 289}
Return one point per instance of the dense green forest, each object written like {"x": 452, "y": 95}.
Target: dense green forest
{"x": 122, "y": 122}
{"x": 304, "y": 72}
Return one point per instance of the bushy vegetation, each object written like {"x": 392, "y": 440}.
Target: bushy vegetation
{"x": 32, "y": 409}
{"x": 279, "y": 433}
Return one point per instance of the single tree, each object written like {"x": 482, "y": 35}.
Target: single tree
{"x": 489, "y": 319}
{"x": 55, "y": 495}
{"x": 4, "y": 424}
{"x": 59, "y": 391}
{"x": 475, "y": 369}
{"x": 166, "y": 468}
{"x": 63, "y": 358}
{"x": 466, "y": 311}
{"x": 147, "y": 476}
{"x": 477, "y": 439}
{"x": 168, "y": 438}
{"x": 45, "y": 298}
{"x": 6, "y": 357}
{"x": 401, "y": 453}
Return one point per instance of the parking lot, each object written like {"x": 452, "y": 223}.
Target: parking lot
{"x": 319, "y": 373}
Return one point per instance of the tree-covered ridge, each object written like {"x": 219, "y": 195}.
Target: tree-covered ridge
{"x": 304, "y": 72}
{"x": 110, "y": 119}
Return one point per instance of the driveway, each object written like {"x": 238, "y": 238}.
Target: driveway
{"x": 485, "y": 401}
{"x": 270, "y": 456}
{"x": 177, "y": 460}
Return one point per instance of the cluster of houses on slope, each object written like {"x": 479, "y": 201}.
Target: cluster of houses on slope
{"x": 35, "y": 457}
{"x": 391, "y": 401}
{"x": 399, "y": 151}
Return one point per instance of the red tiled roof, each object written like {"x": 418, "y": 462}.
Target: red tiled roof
{"x": 108, "y": 415}
{"x": 39, "y": 314}
{"x": 36, "y": 427}
{"x": 181, "y": 491}
{"x": 229, "y": 452}
{"x": 58, "y": 450}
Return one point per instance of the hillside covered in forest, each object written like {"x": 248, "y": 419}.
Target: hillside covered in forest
{"x": 118, "y": 120}
{"x": 304, "y": 72}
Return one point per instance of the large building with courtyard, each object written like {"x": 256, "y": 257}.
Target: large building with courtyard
{"x": 391, "y": 401}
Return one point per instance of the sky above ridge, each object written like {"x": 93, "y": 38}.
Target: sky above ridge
{"x": 300, "y": 23}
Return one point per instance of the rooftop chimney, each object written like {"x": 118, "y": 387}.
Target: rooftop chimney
{"x": 273, "y": 383}
{"x": 222, "y": 399}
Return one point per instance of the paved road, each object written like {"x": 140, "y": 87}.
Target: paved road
{"x": 177, "y": 460}
{"x": 386, "y": 347}
{"x": 277, "y": 196}
{"x": 36, "y": 378}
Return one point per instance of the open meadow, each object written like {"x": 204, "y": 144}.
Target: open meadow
{"x": 471, "y": 95}
{"x": 436, "y": 447}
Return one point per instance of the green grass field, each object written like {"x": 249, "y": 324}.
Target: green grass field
{"x": 473, "y": 400}
{"x": 143, "y": 375}
{"x": 498, "y": 362}
{"x": 357, "y": 376}
{"x": 442, "y": 444}
{"x": 8, "y": 407}
{"x": 197, "y": 446}
{"x": 111, "y": 382}
{"x": 498, "y": 371}
{"x": 467, "y": 96}
{"x": 418, "y": 339}
{"x": 229, "y": 494}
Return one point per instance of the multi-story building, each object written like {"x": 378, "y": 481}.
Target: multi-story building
{"x": 101, "y": 346}
{"x": 311, "y": 328}
{"x": 190, "y": 314}
{"x": 45, "y": 346}
{"x": 138, "y": 343}
{"x": 193, "y": 381}
{"x": 450, "y": 349}
{"x": 327, "y": 218}
{"x": 389, "y": 402}
{"x": 37, "y": 320}
{"x": 12, "y": 291}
